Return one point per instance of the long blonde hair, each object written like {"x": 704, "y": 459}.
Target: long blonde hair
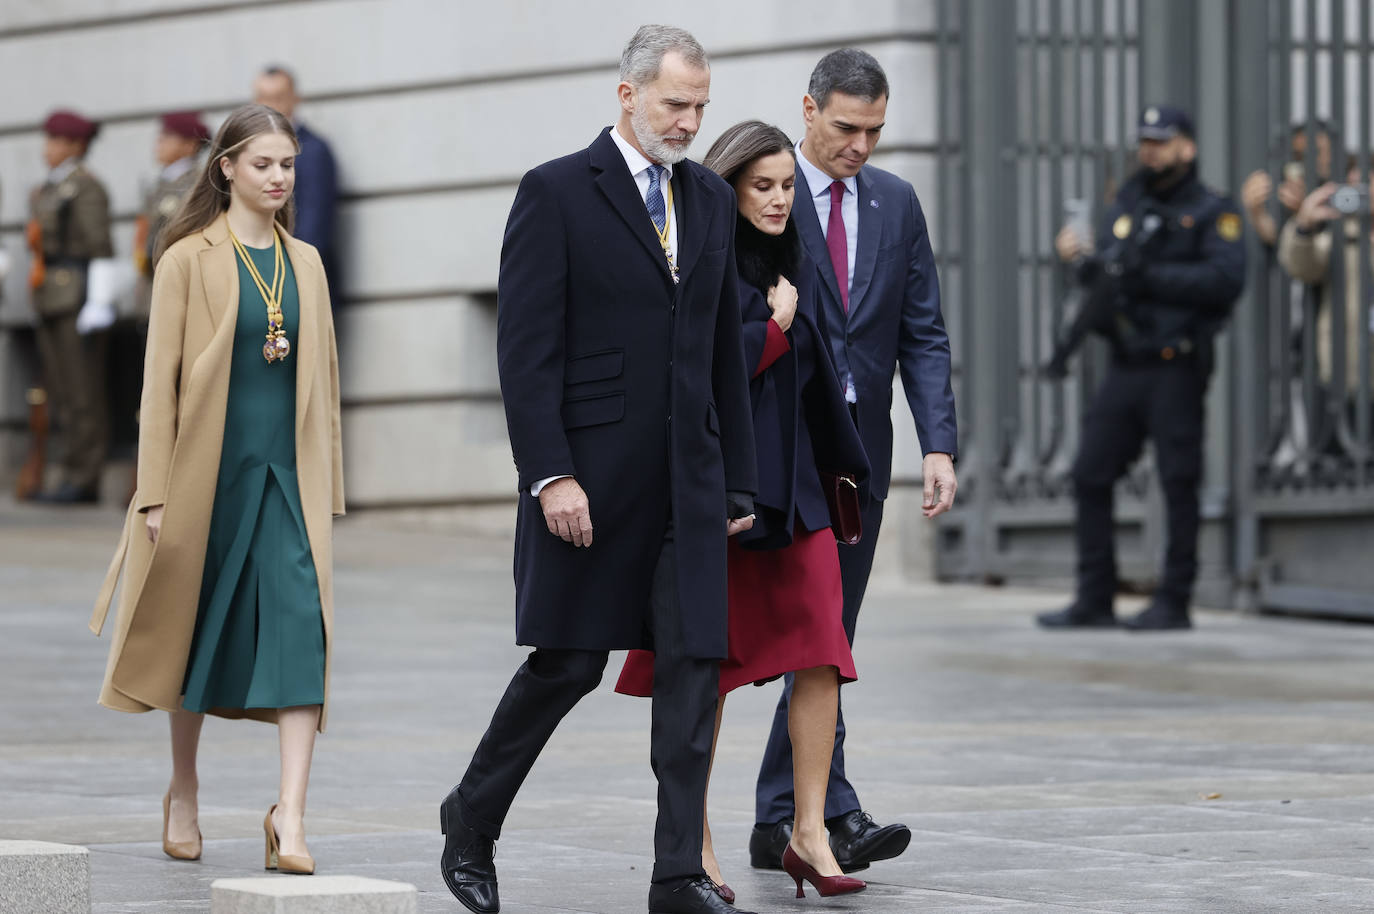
{"x": 210, "y": 195}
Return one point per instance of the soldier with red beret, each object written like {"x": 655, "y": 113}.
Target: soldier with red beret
{"x": 181, "y": 139}
{"x": 73, "y": 283}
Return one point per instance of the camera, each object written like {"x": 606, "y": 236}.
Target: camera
{"x": 1349, "y": 199}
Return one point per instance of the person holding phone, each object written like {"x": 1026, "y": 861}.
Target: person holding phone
{"x": 1258, "y": 188}
{"x": 1326, "y": 218}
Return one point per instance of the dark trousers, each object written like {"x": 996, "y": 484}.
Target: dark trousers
{"x": 773, "y": 795}
{"x": 551, "y": 682}
{"x": 1164, "y": 402}
{"x": 74, "y": 376}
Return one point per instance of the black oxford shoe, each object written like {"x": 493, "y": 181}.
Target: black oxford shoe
{"x": 766, "y": 844}
{"x": 695, "y": 895}
{"x": 857, "y": 840}
{"x": 1158, "y": 617}
{"x": 467, "y": 864}
{"x": 1077, "y": 617}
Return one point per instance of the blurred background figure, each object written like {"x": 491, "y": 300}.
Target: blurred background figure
{"x": 317, "y": 186}
{"x": 1306, "y": 286}
{"x": 1305, "y": 251}
{"x": 180, "y": 141}
{"x": 182, "y": 136}
{"x": 73, "y": 283}
{"x": 1258, "y": 188}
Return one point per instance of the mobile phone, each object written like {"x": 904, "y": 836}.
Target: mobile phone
{"x": 1078, "y": 215}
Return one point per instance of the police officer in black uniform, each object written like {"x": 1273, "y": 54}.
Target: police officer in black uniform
{"x": 1169, "y": 262}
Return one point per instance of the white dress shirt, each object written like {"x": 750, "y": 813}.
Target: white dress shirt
{"x": 818, "y": 184}
{"x": 639, "y": 170}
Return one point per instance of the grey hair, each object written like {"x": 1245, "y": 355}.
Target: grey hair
{"x": 642, "y": 58}
{"x": 848, "y": 71}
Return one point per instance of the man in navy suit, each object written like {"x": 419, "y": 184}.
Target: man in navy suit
{"x": 627, "y": 402}
{"x": 865, "y": 229}
{"x": 317, "y": 183}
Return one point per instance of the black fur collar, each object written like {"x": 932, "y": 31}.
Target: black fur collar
{"x": 762, "y": 258}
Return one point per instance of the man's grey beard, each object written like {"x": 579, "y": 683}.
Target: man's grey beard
{"x": 655, "y": 146}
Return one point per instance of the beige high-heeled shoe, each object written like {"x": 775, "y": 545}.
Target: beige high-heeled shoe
{"x": 177, "y": 850}
{"x": 299, "y": 864}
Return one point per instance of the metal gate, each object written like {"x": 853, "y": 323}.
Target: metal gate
{"x": 1037, "y": 122}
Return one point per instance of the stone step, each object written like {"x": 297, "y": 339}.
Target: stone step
{"x": 286, "y": 894}
{"x": 38, "y": 876}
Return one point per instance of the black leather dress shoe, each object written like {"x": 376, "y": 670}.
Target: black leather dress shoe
{"x": 1158, "y": 617}
{"x": 858, "y": 841}
{"x": 68, "y": 494}
{"x": 766, "y": 844}
{"x": 1077, "y": 617}
{"x": 688, "y": 896}
{"x": 469, "y": 871}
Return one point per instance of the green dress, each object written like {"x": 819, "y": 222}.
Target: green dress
{"x": 259, "y": 639}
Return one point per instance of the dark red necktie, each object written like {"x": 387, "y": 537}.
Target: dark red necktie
{"x": 837, "y": 243}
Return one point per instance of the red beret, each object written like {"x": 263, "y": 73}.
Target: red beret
{"x": 186, "y": 124}
{"x": 71, "y": 125}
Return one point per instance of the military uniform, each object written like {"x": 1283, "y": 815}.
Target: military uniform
{"x": 160, "y": 203}
{"x": 1178, "y": 258}
{"x": 163, "y": 199}
{"x": 69, "y": 229}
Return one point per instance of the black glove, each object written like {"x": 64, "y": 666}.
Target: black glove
{"x": 738, "y": 504}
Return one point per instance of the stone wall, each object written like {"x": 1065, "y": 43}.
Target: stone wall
{"x": 434, "y": 109}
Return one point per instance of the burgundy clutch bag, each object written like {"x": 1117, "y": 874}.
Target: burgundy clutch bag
{"x": 842, "y": 496}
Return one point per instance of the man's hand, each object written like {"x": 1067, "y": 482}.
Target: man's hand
{"x": 1256, "y": 190}
{"x": 1315, "y": 211}
{"x": 937, "y": 470}
{"x": 739, "y": 525}
{"x": 1254, "y": 196}
{"x": 782, "y": 299}
{"x": 154, "y": 522}
{"x": 1070, "y": 245}
{"x": 1291, "y": 192}
{"x": 566, "y": 511}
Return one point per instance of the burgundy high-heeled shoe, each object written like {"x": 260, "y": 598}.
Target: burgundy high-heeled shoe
{"x": 799, "y": 869}
{"x": 726, "y": 893}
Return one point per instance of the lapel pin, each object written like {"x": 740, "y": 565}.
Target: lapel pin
{"x": 873, "y": 203}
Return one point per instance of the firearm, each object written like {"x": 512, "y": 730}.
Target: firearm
{"x": 1104, "y": 301}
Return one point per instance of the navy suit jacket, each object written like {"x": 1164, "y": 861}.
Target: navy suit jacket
{"x": 317, "y": 191}
{"x": 894, "y": 317}
{"x": 629, "y": 382}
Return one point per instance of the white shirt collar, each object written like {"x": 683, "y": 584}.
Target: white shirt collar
{"x": 634, "y": 159}
{"x": 64, "y": 171}
{"x": 818, "y": 181}
{"x": 178, "y": 168}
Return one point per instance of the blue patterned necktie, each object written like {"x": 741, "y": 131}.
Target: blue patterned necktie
{"x": 655, "y": 199}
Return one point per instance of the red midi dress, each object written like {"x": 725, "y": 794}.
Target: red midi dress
{"x": 786, "y": 605}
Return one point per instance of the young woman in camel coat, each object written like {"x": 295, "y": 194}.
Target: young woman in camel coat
{"x": 197, "y": 520}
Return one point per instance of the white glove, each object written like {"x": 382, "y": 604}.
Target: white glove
{"x": 101, "y": 288}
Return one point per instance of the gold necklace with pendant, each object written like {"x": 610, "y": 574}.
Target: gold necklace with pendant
{"x": 277, "y": 345}
{"x": 663, "y": 236}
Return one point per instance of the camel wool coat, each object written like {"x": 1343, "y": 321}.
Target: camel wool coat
{"x": 181, "y": 430}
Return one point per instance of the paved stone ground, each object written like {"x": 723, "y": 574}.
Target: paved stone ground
{"x": 1227, "y": 769}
